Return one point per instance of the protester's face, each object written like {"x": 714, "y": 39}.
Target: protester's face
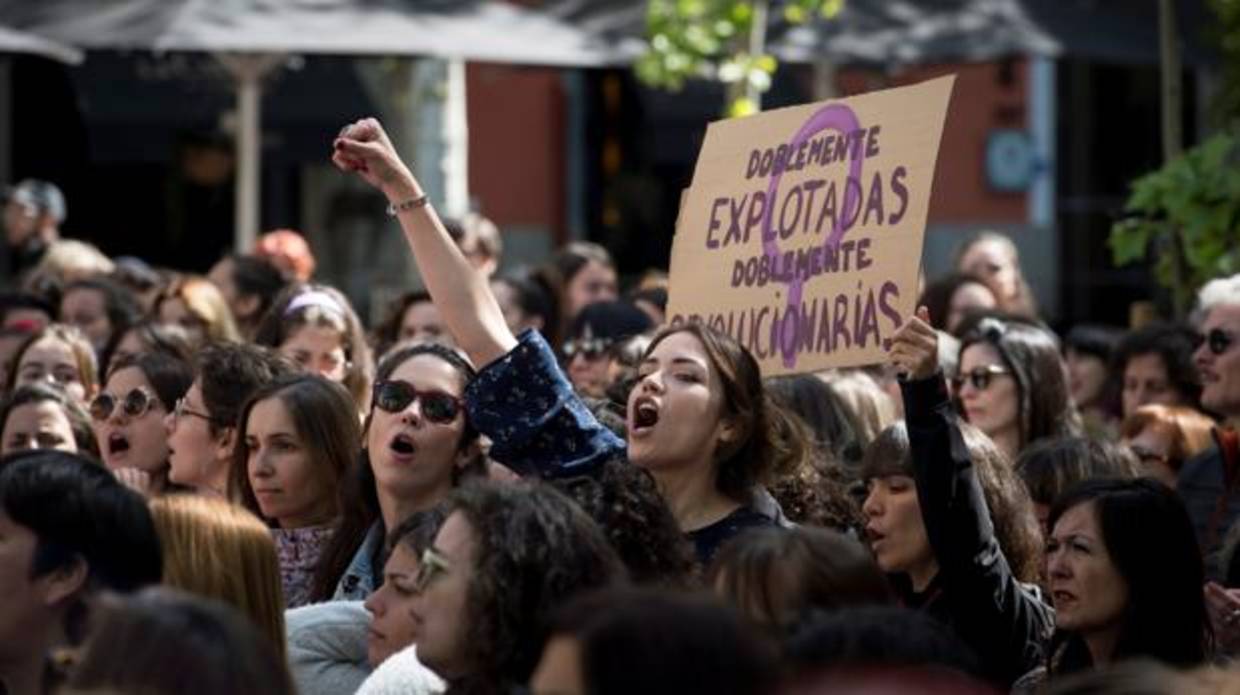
{"x": 1152, "y": 446}
{"x": 992, "y": 262}
{"x": 26, "y": 614}
{"x": 440, "y": 611}
{"x": 412, "y": 456}
{"x": 86, "y": 309}
{"x": 995, "y": 409}
{"x": 1087, "y": 374}
{"x": 968, "y": 297}
{"x": 39, "y": 425}
{"x": 391, "y": 607}
{"x": 196, "y": 458}
{"x": 894, "y": 525}
{"x": 174, "y": 312}
{"x": 319, "y": 350}
{"x": 1146, "y": 382}
{"x": 1220, "y": 374}
{"x": 559, "y": 670}
{"x": 20, "y": 222}
{"x": 421, "y": 324}
{"x": 128, "y": 441}
{"x": 594, "y": 282}
{"x": 589, "y": 373}
{"x": 288, "y": 486}
{"x": 675, "y": 410}
{"x": 52, "y": 361}
{"x": 1088, "y": 591}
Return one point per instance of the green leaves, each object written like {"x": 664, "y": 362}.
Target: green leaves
{"x": 709, "y": 39}
{"x": 1187, "y": 215}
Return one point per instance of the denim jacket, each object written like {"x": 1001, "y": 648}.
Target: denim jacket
{"x": 359, "y": 580}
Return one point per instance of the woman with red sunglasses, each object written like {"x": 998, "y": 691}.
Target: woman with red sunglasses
{"x": 417, "y": 445}
{"x": 128, "y": 417}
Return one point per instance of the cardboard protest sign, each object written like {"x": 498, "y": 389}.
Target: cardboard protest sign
{"x": 801, "y": 233}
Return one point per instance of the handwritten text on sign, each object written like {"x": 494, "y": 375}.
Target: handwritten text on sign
{"x": 801, "y": 234}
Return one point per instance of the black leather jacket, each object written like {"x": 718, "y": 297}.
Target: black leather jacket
{"x": 1005, "y": 621}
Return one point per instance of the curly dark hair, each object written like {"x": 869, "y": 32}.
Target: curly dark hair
{"x": 625, "y": 502}
{"x": 534, "y": 548}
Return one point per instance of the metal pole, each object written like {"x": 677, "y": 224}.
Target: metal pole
{"x": 455, "y": 126}
{"x": 249, "y": 124}
{"x": 248, "y": 70}
{"x": 1172, "y": 85}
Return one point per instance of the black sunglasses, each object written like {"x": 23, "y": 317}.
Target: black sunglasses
{"x": 979, "y": 377}
{"x": 133, "y": 404}
{"x": 1217, "y": 339}
{"x": 589, "y": 348}
{"x": 437, "y": 406}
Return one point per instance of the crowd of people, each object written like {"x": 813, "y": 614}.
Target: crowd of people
{"x": 529, "y": 482}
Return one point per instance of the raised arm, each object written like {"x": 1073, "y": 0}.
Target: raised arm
{"x": 460, "y": 292}
{"x": 1004, "y": 621}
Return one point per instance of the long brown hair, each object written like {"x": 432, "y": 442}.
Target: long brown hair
{"x": 326, "y": 422}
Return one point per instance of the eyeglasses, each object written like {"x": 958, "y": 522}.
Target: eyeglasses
{"x": 1217, "y": 339}
{"x": 133, "y": 404}
{"x": 589, "y": 348}
{"x": 437, "y": 406}
{"x": 979, "y": 377}
{"x": 432, "y": 566}
{"x": 182, "y": 409}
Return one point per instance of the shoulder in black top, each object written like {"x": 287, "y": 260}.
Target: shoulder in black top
{"x": 708, "y": 539}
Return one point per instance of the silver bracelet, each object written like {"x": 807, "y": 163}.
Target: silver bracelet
{"x": 393, "y": 209}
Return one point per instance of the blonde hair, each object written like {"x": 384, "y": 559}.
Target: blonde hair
{"x": 204, "y": 300}
{"x": 871, "y": 408}
{"x": 67, "y": 260}
{"x": 219, "y": 550}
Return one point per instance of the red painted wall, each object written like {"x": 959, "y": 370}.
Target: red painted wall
{"x": 516, "y": 145}
{"x": 984, "y": 99}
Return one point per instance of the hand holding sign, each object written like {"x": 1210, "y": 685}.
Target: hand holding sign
{"x": 915, "y": 347}
{"x": 801, "y": 233}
